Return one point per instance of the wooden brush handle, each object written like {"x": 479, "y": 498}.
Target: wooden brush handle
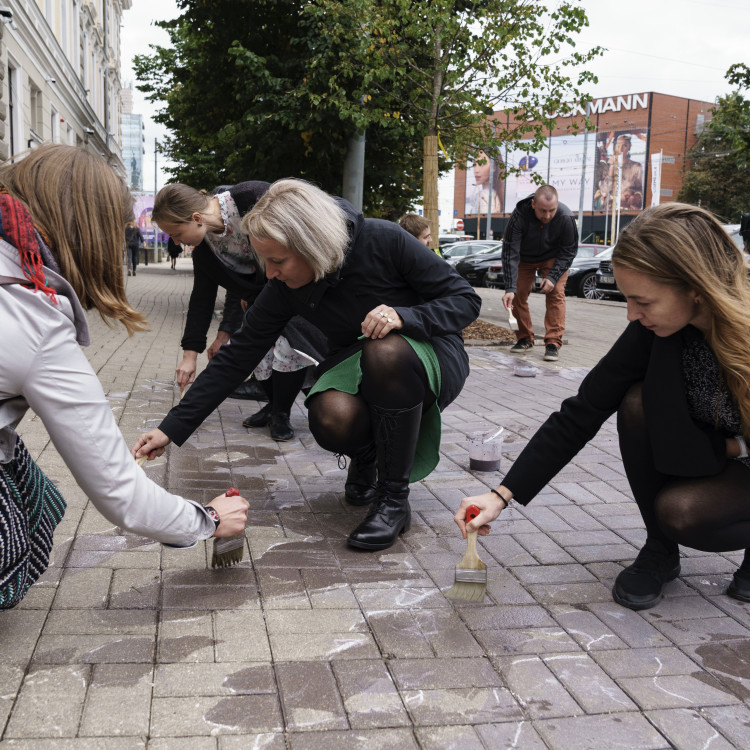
{"x": 471, "y": 536}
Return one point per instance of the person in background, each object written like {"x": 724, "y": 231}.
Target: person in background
{"x": 678, "y": 379}
{"x": 393, "y": 313}
{"x": 174, "y": 250}
{"x": 541, "y": 236}
{"x": 418, "y": 227}
{"x": 222, "y": 256}
{"x": 133, "y": 242}
{"x": 62, "y": 215}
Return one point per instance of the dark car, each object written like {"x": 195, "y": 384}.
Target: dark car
{"x": 459, "y": 250}
{"x": 475, "y": 268}
{"x": 450, "y": 239}
{"x": 605, "y": 280}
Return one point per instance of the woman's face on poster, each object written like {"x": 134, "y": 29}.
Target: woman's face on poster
{"x": 482, "y": 169}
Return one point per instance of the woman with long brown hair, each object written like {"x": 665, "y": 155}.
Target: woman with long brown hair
{"x": 679, "y": 380}
{"x": 62, "y": 216}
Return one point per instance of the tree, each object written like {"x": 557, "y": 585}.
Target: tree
{"x": 444, "y": 66}
{"x": 231, "y": 83}
{"x": 719, "y": 174}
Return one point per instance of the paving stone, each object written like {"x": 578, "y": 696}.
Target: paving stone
{"x": 687, "y": 728}
{"x": 80, "y": 743}
{"x": 708, "y": 630}
{"x": 100, "y": 622}
{"x": 398, "y": 634}
{"x": 435, "y": 674}
{"x": 733, "y": 722}
{"x": 241, "y": 636}
{"x": 83, "y": 589}
{"x": 310, "y": 697}
{"x": 111, "y": 648}
{"x": 118, "y": 701}
{"x": 677, "y": 691}
{"x": 536, "y": 689}
{"x": 644, "y": 662}
{"x": 195, "y": 716}
{"x": 517, "y": 734}
{"x": 21, "y": 630}
{"x": 373, "y": 739}
{"x": 185, "y": 636}
{"x": 625, "y": 730}
{"x": 266, "y": 741}
{"x": 594, "y": 691}
{"x": 526, "y": 641}
{"x": 369, "y": 695}
{"x": 629, "y": 626}
{"x": 587, "y": 629}
{"x": 49, "y": 703}
{"x": 449, "y": 738}
{"x": 460, "y": 706}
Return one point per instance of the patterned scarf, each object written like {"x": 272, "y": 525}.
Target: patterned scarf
{"x": 17, "y": 229}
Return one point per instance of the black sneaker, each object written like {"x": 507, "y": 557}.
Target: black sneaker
{"x": 521, "y": 346}
{"x": 641, "y": 585}
{"x": 739, "y": 587}
{"x": 550, "y": 353}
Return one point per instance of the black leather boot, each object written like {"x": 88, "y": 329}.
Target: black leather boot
{"x": 280, "y": 427}
{"x": 360, "y": 487}
{"x": 260, "y": 419}
{"x": 395, "y": 432}
{"x": 641, "y": 585}
{"x": 739, "y": 586}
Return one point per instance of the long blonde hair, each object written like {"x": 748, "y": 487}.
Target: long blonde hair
{"x": 176, "y": 203}
{"x": 77, "y": 201}
{"x": 686, "y": 247}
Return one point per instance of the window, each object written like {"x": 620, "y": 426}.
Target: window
{"x": 54, "y": 126}
{"x": 15, "y": 109}
{"x": 35, "y": 111}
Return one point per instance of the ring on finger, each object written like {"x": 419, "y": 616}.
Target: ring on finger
{"x": 389, "y": 319}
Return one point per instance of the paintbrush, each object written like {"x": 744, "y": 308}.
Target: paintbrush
{"x": 228, "y": 550}
{"x": 512, "y": 322}
{"x": 471, "y": 572}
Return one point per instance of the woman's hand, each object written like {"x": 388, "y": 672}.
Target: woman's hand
{"x": 232, "y": 514}
{"x": 490, "y": 507}
{"x": 151, "y": 444}
{"x": 222, "y": 337}
{"x": 380, "y": 322}
{"x": 185, "y": 373}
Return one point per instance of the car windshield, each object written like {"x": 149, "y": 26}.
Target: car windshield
{"x": 589, "y": 251}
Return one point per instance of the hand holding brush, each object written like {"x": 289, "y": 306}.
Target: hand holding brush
{"x": 471, "y": 572}
{"x": 230, "y": 518}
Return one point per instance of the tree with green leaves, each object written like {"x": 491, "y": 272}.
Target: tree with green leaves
{"x": 244, "y": 92}
{"x": 718, "y": 177}
{"x": 444, "y": 67}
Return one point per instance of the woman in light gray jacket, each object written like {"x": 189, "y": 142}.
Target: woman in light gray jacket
{"x": 62, "y": 213}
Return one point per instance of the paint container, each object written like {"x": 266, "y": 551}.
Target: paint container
{"x": 485, "y": 450}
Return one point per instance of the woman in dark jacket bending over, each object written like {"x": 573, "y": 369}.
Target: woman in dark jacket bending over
{"x": 392, "y": 311}
{"x": 679, "y": 380}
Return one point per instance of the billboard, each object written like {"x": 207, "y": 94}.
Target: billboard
{"x": 614, "y": 160}
{"x": 144, "y": 205}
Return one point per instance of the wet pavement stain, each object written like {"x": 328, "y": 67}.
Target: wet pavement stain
{"x": 729, "y": 662}
{"x": 125, "y": 675}
{"x": 180, "y": 647}
{"x": 250, "y": 681}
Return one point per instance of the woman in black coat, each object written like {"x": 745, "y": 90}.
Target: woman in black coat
{"x": 678, "y": 378}
{"x": 393, "y": 313}
{"x": 223, "y": 257}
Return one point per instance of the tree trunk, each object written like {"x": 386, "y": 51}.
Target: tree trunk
{"x": 430, "y": 186}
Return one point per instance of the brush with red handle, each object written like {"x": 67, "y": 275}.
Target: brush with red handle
{"x": 471, "y": 572}
{"x": 228, "y": 550}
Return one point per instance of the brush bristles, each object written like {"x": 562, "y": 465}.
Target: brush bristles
{"x": 469, "y": 592}
{"x": 227, "y": 552}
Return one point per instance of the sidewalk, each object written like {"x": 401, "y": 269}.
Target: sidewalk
{"x": 315, "y": 646}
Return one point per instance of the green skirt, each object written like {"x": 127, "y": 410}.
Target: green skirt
{"x": 347, "y": 376}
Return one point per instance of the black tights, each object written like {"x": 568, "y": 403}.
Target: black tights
{"x": 393, "y": 377}
{"x": 282, "y": 388}
{"x": 706, "y": 513}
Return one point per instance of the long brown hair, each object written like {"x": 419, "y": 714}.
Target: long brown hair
{"x": 78, "y": 202}
{"x": 176, "y": 203}
{"x": 686, "y": 247}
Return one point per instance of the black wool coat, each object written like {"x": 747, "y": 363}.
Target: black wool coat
{"x": 682, "y": 447}
{"x": 383, "y": 265}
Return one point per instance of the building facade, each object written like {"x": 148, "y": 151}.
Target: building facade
{"x": 632, "y": 159}
{"x": 60, "y": 75}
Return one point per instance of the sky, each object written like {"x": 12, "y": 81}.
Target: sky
{"x": 678, "y": 47}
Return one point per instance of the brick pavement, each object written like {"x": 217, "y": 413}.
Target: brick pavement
{"x": 124, "y": 644}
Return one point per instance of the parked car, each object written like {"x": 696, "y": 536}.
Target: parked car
{"x": 605, "y": 277}
{"x": 449, "y": 239}
{"x": 582, "y": 273}
{"x": 460, "y": 250}
{"x": 474, "y": 268}
{"x": 605, "y": 280}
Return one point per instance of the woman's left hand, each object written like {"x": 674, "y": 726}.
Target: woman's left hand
{"x": 380, "y": 322}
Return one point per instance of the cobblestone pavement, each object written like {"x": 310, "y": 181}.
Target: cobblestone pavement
{"x": 309, "y": 644}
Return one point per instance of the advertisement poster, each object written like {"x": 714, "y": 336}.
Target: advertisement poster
{"x": 144, "y": 205}
{"x": 481, "y": 173}
{"x": 621, "y": 168}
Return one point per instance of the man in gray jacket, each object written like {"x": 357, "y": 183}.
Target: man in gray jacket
{"x": 541, "y": 236}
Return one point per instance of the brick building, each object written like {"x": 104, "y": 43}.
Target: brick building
{"x": 635, "y": 152}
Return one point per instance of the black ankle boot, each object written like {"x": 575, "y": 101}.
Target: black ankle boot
{"x": 260, "y": 418}
{"x": 739, "y": 587}
{"x": 641, "y": 585}
{"x": 395, "y": 432}
{"x": 280, "y": 427}
{"x": 360, "y": 484}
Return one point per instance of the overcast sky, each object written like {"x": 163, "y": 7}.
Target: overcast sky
{"x": 679, "y": 47}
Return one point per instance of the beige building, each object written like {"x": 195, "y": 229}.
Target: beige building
{"x": 60, "y": 75}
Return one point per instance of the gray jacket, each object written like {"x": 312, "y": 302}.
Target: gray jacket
{"x": 43, "y": 368}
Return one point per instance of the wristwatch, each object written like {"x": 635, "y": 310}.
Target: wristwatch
{"x": 214, "y": 515}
